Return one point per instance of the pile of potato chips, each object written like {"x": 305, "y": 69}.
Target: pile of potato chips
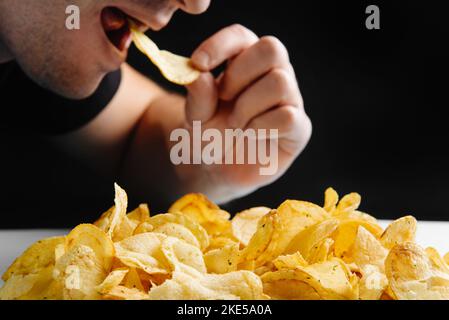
{"x": 298, "y": 251}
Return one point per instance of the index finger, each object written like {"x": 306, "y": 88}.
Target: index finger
{"x": 222, "y": 46}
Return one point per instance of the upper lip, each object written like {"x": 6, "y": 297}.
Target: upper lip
{"x": 142, "y": 22}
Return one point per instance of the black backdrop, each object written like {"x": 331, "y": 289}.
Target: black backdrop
{"x": 377, "y": 100}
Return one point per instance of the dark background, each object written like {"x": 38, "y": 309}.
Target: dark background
{"x": 377, "y": 100}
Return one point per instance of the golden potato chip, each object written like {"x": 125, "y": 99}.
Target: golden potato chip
{"x": 330, "y": 200}
{"x": 112, "y": 280}
{"x": 143, "y": 251}
{"x": 219, "y": 242}
{"x": 321, "y": 251}
{"x": 202, "y": 238}
{"x": 174, "y": 68}
{"x": 411, "y": 275}
{"x": 290, "y": 261}
{"x": 132, "y": 280}
{"x": 327, "y": 280}
{"x": 236, "y": 285}
{"x": 124, "y": 293}
{"x": 222, "y": 260}
{"x": 437, "y": 261}
{"x": 373, "y": 283}
{"x": 367, "y": 250}
{"x": 17, "y": 286}
{"x": 309, "y": 238}
{"x": 346, "y": 233}
{"x": 80, "y": 270}
{"x": 143, "y": 227}
{"x": 446, "y": 258}
{"x": 94, "y": 238}
{"x": 197, "y": 207}
{"x": 140, "y": 214}
{"x": 348, "y": 203}
{"x": 244, "y": 224}
{"x": 182, "y": 255}
{"x": 399, "y": 231}
{"x": 38, "y": 256}
{"x": 45, "y": 287}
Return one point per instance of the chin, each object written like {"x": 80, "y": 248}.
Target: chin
{"x": 76, "y": 89}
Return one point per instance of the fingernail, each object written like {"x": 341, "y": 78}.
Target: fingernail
{"x": 201, "y": 59}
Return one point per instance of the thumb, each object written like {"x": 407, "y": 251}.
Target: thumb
{"x": 202, "y": 98}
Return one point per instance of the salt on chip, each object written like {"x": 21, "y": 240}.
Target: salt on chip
{"x": 183, "y": 220}
{"x": 236, "y": 285}
{"x": 399, "y": 231}
{"x": 412, "y": 276}
{"x": 222, "y": 260}
{"x": 244, "y": 224}
{"x": 39, "y": 255}
{"x": 176, "y": 69}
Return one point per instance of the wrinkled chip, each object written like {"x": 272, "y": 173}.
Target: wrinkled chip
{"x": 399, "y": 231}
{"x": 330, "y": 200}
{"x": 124, "y": 293}
{"x": 244, "y": 224}
{"x": 236, "y": 285}
{"x": 199, "y": 208}
{"x": 38, "y": 256}
{"x": 202, "y": 239}
{"x": 328, "y": 280}
{"x": 112, "y": 280}
{"x": 223, "y": 260}
{"x": 346, "y": 234}
{"x": 308, "y": 239}
{"x": 176, "y": 69}
{"x": 290, "y": 261}
{"x": 182, "y": 255}
{"x": 412, "y": 276}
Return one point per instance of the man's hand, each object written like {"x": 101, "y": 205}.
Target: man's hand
{"x": 257, "y": 90}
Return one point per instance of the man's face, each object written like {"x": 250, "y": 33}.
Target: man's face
{"x": 73, "y": 62}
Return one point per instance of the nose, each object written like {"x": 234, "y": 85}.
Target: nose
{"x": 193, "y": 6}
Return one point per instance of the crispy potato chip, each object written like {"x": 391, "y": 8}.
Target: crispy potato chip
{"x": 309, "y": 238}
{"x": 290, "y": 261}
{"x": 17, "y": 286}
{"x": 367, "y": 250}
{"x": 446, "y": 258}
{"x": 330, "y": 200}
{"x": 399, "y": 231}
{"x": 132, "y": 281}
{"x": 346, "y": 234}
{"x": 80, "y": 271}
{"x": 321, "y": 251}
{"x": 143, "y": 227}
{"x": 244, "y": 224}
{"x": 219, "y": 242}
{"x": 174, "y": 68}
{"x": 223, "y": 260}
{"x": 143, "y": 251}
{"x": 112, "y": 280}
{"x": 328, "y": 280}
{"x": 94, "y": 238}
{"x": 197, "y": 207}
{"x": 236, "y": 285}
{"x": 412, "y": 276}
{"x": 140, "y": 214}
{"x": 38, "y": 256}
{"x": 182, "y": 255}
{"x": 348, "y": 203}
{"x": 202, "y": 238}
{"x": 124, "y": 293}
{"x": 45, "y": 287}
{"x": 437, "y": 261}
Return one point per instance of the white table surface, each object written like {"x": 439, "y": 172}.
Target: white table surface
{"x": 14, "y": 242}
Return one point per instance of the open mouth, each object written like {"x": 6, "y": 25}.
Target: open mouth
{"x": 116, "y": 26}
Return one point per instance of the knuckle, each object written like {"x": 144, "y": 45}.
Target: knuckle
{"x": 289, "y": 116}
{"x": 280, "y": 81}
{"x": 273, "y": 48}
{"x": 240, "y": 30}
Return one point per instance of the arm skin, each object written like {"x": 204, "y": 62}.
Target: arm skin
{"x": 129, "y": 140}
